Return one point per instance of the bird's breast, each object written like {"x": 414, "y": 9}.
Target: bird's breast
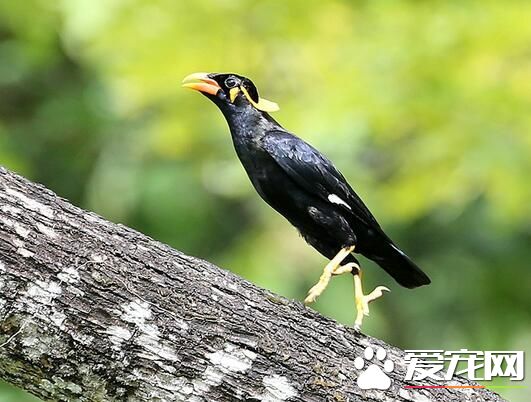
{"x": 269, "y": 180}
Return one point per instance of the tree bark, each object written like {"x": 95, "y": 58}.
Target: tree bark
{"x": 95, "y": 311}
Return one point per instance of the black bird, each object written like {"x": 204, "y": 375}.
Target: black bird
{"x": 305, "y": 187}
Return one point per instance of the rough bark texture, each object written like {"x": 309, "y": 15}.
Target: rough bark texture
{"x": 94, "y": 311}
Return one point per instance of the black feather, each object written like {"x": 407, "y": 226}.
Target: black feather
{"x": 307, "y": 189}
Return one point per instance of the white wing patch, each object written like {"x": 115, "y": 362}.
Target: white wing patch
{"x": 397, "y": 249}
{"x": 334, "y": 199}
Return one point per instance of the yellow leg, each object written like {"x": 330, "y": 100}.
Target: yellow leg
{"x": 332, "y": 268}
{"x": 362, "y": 301}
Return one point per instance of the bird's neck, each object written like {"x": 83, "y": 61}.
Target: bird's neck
{"x": 249, "y": 124}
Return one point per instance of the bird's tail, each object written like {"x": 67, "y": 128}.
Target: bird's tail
{"x": 397, "y": 264}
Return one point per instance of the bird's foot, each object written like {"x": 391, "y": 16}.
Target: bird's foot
{"x": 317, "y": 289}
{"x": 362, "y": 303}
{"x": 332, "y": 268}
{"x": 347, "y": 268}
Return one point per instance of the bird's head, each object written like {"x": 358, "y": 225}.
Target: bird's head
{"x": 229, "y": 91}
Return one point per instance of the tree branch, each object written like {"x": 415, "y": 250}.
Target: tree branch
{"x": 95, "y": 311}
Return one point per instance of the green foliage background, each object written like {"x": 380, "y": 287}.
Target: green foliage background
{"x": 424, "y": 105}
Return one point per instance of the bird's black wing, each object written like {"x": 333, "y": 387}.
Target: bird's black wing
{"x": 315, "y": 173}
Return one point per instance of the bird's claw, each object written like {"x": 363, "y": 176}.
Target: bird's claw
{"x": 320, "y": 286}
{"x": 362, "y": 304}
{"x": 376, "y": 293}
{"x": 314, "y": 293}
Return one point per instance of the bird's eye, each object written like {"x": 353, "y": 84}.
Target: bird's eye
{"x": 230, "y": 82}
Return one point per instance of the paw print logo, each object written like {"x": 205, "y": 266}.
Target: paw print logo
{"x": 373, "y": 377}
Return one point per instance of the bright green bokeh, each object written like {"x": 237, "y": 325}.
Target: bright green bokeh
{"x": 424, "y": 106}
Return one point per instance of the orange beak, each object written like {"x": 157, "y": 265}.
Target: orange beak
{"x": 200, "y": 82}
